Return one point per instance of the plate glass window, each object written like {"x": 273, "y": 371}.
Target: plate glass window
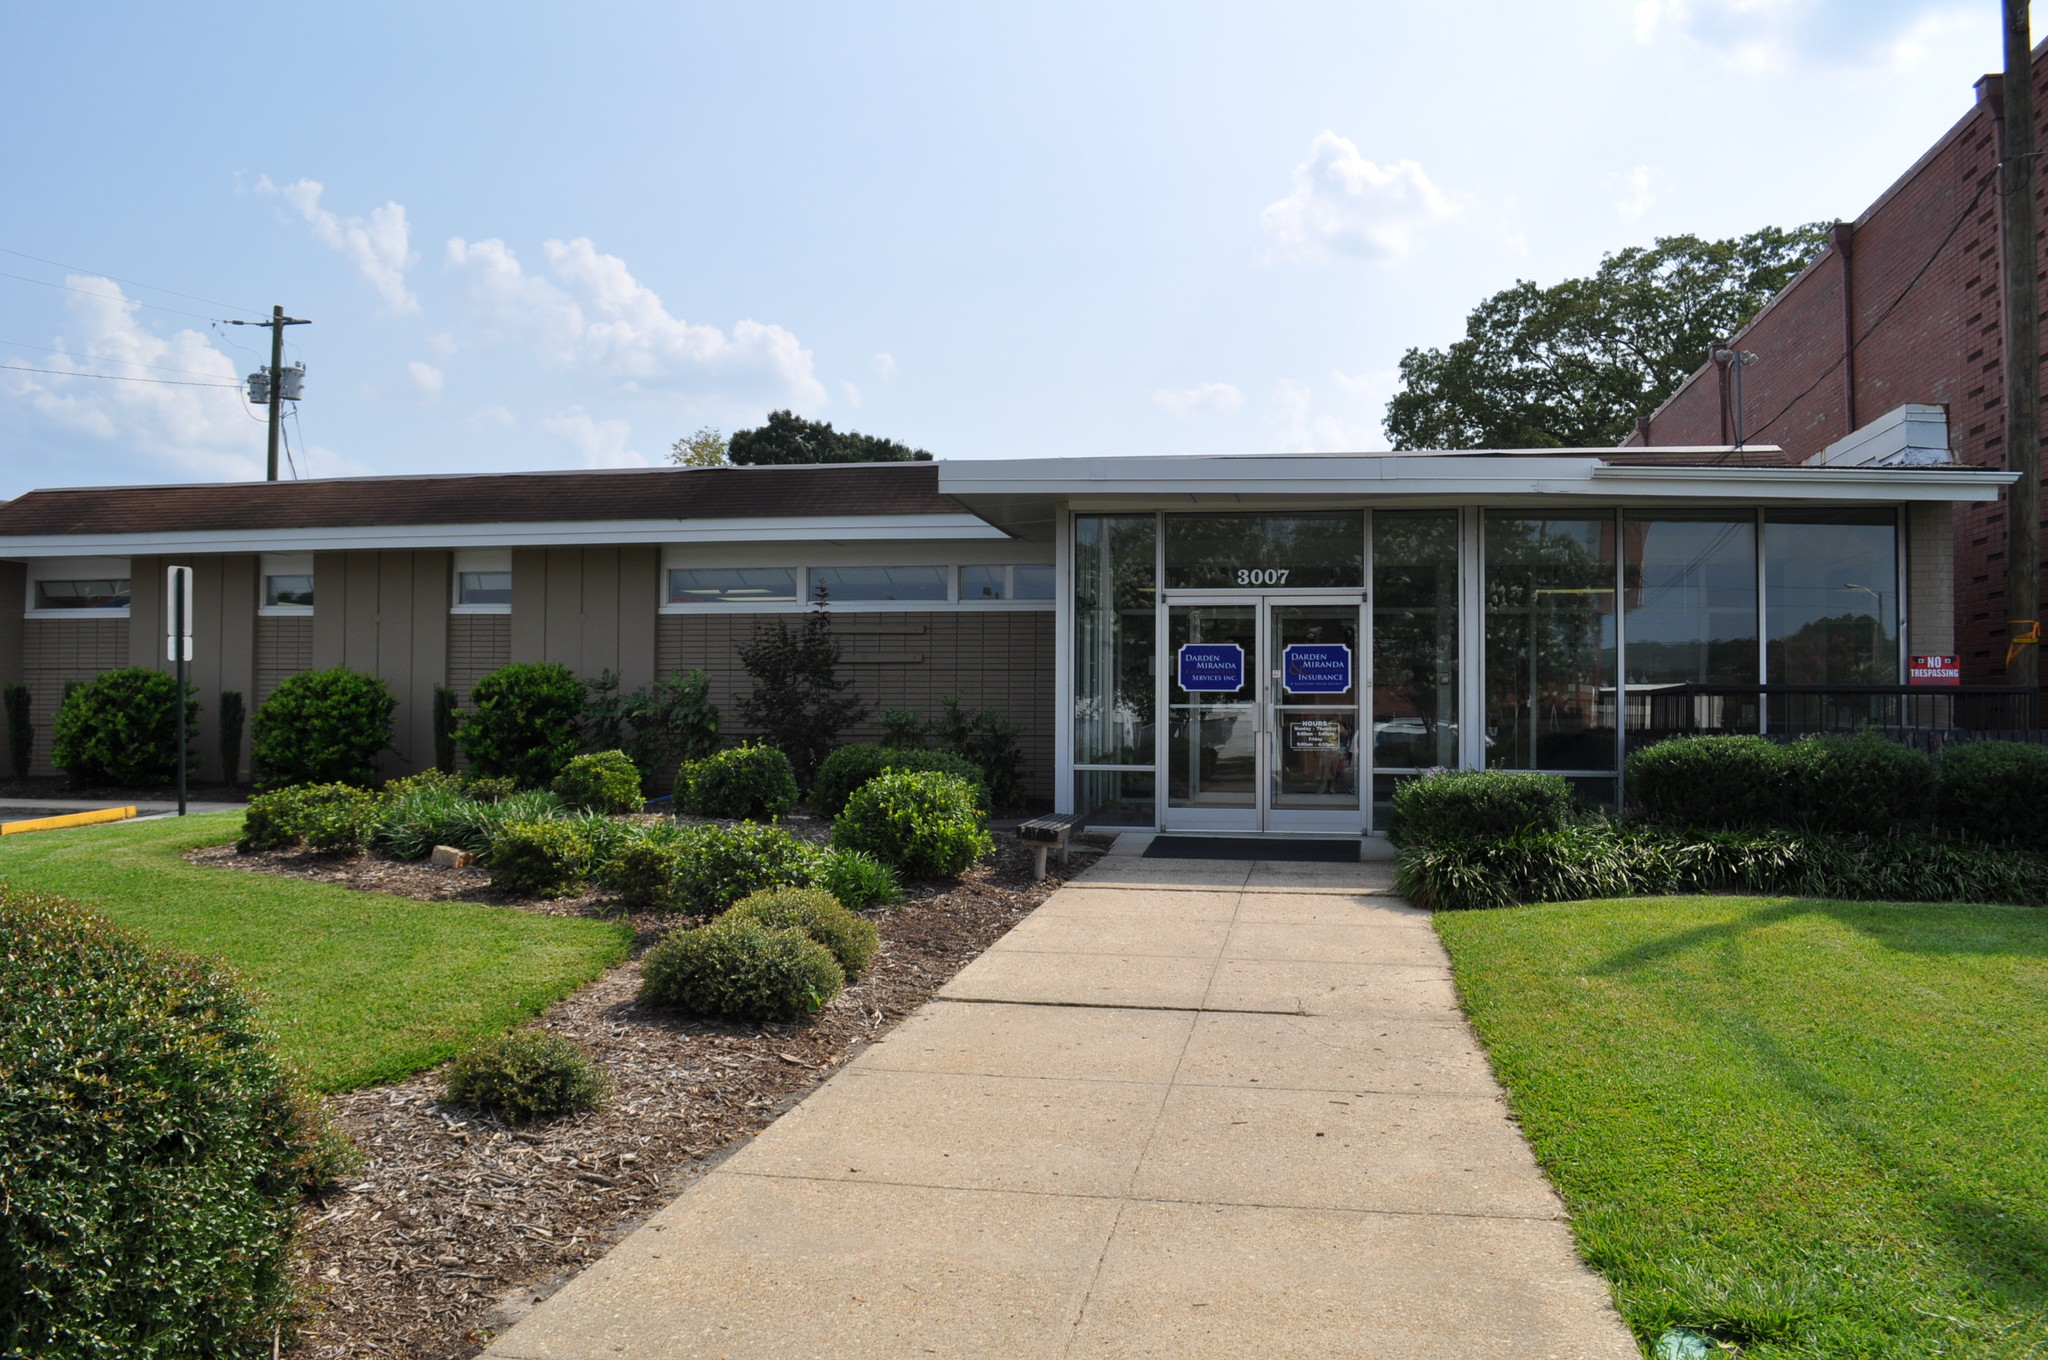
{"x": 1005, "y": 583}
{"x": 1114, "y": 696}
{"x": 840, "y": 585}
{"x": 732, "y": 586}
{"x": 483, "y": 587}
{"x": 1689, "y": 596}
{"x": 1550, "y": 653}
{"x": 1265, "y": 552}
{"x": 1414, "y": 639}
{"x": 287, "y": 591}
{"x": 96, "y": 593}
{"x": 1832, "y": 598}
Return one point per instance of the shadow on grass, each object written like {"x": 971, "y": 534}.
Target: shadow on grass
{"x": 1910, "y": 927}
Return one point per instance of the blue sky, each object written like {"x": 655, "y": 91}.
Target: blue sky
{"x": 543, "y": 237}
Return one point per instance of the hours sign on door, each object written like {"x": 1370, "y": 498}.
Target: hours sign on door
{"x": 1316, "y": 668}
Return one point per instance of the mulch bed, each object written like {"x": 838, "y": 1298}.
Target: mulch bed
{"x": 459, "y": 1224}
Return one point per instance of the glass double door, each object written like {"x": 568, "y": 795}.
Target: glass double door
{"x": 1262, "y": 698}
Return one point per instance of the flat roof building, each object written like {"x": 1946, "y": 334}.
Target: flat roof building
{"x": 1239, "y": 644}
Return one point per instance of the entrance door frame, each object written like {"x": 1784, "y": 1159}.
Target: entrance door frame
{"x": 1262, "y": 818}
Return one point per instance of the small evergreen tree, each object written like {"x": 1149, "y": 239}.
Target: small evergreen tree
{"x": 232, "y": 715}
{"x": 799, "y": 704}
{"x": 20, "y": 735}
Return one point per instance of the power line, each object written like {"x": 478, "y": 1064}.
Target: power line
{"x": 106, "y": 359}
{"x": 132, "y": 283}
{"x": 108, "y": 297}
{"x": 118, "y": 377}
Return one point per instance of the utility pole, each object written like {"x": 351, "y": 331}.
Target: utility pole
{"x": 277, "y": 386}
{"x": 2022, "y": 360}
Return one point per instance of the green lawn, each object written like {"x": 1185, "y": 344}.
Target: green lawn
{"x": 360, "y": 987}
{"x": 1811, "y": 1128}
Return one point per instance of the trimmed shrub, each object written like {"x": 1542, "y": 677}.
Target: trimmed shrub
{"x": 647, "y": 876}
{"x": 606, "y": 836}
{"x": 489, "y": 788}
{"x": 752, "y": 782}
{"x": 1995, "y": 791}
{"x": 331, "y": 817}
{"x": 524, "y": 722}
{"x": 718, "y": 865}
{"x": 604, "y": 782}
{"x": 991, "y": 742}
{"x": 1455, "y": 805}
{"x": 322, "y": 727}
{"x": 540, "y": 859}
{"x": 526, "y": 1075}
{"x": 1599, "y": 860}
{"x": 151, "y": 1150}
{"x": 670, "y": 721}
{"x": 927, "y": 825}
{"x": 1725, "y": 782}
{"x": 856, "y": 878}
{"x": 121, "y": 728}
{"x": 818, "y": 914}
{"x": 1857, "y": 785}
{"x": 740, "y": 970}
{"x": 849, "y": 767}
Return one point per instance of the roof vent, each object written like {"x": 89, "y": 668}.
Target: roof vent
{"x": 1906, "y": 436}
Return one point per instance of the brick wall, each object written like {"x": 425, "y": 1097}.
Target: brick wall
{"x": 996, "y": 659}
{"x": 284, "y": 647}
{"x": 58, "y": 650}
{"x": 1922, "y": 266}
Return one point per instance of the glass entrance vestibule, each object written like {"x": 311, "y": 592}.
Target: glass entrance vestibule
{"x": 1280, "y": 671}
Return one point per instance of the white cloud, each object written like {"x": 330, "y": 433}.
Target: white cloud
{"x": 1639, "y": 193}
{"x": 427, "y": 380}
{"x": 1301, "y": 425}
{"x": 493, "y": 415}
{"x": 205, "y": 430}
{"x": 379, "y": 246}
{"x": 884, "y": 365}
{"x": 1344, "y": 205}
{"x": 1216, "y": 398}
{"x": 601, "y": 442}
{"x": 1764, "y": 37}
{"x": 594, "y": 314}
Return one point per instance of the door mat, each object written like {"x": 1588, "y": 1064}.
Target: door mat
{"x": 1303, "y": 850}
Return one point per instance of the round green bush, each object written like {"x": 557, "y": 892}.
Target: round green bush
{"x": 1860, "y": 785}
{"x": 524, "y": 723}
{"x": 718, "y": 865}
{"x": 740, "y": 970}
{"x": 1467, "y": 805}
{"x": 645, "y": 875}
{"x": 121, "y": 727}
{"x": 607, "y": 781}
{"x": 927, "y": 825}
{"x": 322, "y": 727}
{"x": 751, "y": 782}
{"x": 856, "y": 878}
{"x": 1724, "y": 783}
{"x": 152, "y": 1152}
{"x": 526, "y": 1075}
{"x": 331, "y": 817}
{"x": 818, "y": 914}
{"x": 849, "y": 767}
{"x": 1995, "y": 791}
{"x": 540, "y": 859}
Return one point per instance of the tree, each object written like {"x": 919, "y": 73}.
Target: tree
{"x": 1576, "y": 364}
{"x": 706, "y": 448}
{"x": 799, "y": 703}
{"x": 789, "y": 438}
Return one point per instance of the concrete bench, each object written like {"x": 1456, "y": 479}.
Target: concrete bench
{"x": 1051, "y": 832}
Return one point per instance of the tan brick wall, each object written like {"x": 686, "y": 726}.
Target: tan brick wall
{"x": 1930, "y": 579}
{"x": 996, "y": 659}
{"x": 284, "y": 647}
{"x": 58, "y": 650}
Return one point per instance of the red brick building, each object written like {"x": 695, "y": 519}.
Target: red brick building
{"x": 1904, "y": 306}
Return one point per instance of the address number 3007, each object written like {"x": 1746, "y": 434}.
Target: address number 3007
{"x": 1262, "y": 576}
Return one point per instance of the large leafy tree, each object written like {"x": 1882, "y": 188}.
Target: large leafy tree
{"x": 789, "y": 438}
{"x": 1575, "y": 364}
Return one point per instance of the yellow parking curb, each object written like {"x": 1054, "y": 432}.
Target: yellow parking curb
{"x": 119, "y": 814}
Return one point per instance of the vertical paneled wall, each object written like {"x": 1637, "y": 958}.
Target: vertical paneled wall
{"x": 386, "y": 613}
{"x": 223, "y": 636}
{"x": 591, "y": 609}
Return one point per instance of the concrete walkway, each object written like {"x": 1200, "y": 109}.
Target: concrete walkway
{"x": 1187, "y": 1109}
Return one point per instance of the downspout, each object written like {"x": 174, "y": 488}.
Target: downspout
{"x": 1843, "y": 238}
{"x": 1714, "y": 353}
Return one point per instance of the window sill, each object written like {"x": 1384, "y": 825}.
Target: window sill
{"x": 74, "y": 613}
{"x": 284, "y": 611}
{"x": 870, "y": 607}
{"x": 480, "y": 609}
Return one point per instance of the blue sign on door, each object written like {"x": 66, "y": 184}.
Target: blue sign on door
{"x": 1211, "y": 667}
{"x": 1316, "y": 668}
